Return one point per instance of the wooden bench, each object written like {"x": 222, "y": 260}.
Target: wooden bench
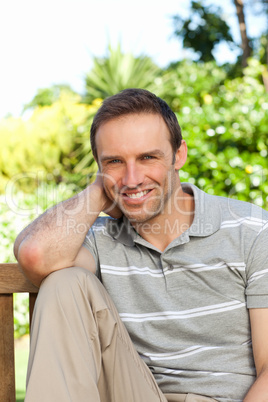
{"x": 12, "y": 281}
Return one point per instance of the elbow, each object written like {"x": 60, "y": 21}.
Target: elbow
{"x": 30, "y": 257}
{"x": 31, "y": 261}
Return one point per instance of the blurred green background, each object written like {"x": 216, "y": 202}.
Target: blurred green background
{"x": 45, "y": 154}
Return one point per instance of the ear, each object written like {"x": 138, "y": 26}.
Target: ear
{"x": 181, "y": 156}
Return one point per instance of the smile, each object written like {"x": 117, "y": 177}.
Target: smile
{"x": 137, "y": 195}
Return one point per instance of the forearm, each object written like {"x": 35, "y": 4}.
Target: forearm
{"x": 53, "y": 240}
{"x": 259, "y": 390}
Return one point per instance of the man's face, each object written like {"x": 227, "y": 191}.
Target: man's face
{"x": 136, "y": 160}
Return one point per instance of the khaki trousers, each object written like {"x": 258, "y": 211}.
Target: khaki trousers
{"x": 80, "y": 350}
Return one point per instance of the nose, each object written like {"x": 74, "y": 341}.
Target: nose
{"x": 133, "y": 175}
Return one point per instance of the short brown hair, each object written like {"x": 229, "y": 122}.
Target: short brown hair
{"x": 135, "y": 101}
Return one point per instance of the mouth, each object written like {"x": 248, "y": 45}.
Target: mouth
{"x": 137, "y": 195}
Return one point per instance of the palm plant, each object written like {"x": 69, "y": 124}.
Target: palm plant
{"x": 118, "y": 71}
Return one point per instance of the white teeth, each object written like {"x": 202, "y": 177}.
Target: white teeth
{"x": 138, "y": 195}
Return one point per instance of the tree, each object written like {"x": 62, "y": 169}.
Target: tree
{"x": 263, "y": 41}
{"x": 246, "y": 48}
{"x": 203, "y": 30}
{"x": 47, "y": 96}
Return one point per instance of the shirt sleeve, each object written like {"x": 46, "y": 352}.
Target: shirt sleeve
{"x": 91, "y": 246}
{"x": 257, "y": 271}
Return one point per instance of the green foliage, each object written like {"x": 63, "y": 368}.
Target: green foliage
{"x": 203, "y": 30}
{"x": 45, "y": 146}
{"x": 21, "y": 361}
{"x": 118, "y": 71}
{"x": 225, "y": 127}
{"x": 187, "y": 83}
{"x": 21, "y": 321}
{"x": 262, "y": 49}
{"x": 47, "y": 96}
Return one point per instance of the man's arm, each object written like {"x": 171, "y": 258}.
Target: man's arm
{"x": 259, "y": 331}
{"x": 54, "y": 240}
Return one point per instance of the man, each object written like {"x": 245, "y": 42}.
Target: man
{"x": 187, "y": 273}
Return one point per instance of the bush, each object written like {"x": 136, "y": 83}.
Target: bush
{"x": 225, "y": 124}
{"x": 45, "y": 146}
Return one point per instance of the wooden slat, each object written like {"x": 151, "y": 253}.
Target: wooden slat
{"x": 12, "y": 280}
{"x": 7, "y": 364}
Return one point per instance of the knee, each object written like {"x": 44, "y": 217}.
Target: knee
{"x": 66, "y": 277}
{"x": 68, "y": 288}
{"x": 64, "y": 301}
{"x": 62, "y": 284}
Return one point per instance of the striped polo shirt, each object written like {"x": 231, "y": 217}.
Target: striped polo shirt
{"x": 186, "y": 308}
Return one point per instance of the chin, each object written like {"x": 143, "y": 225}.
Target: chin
{"x": 141, "y": 214}
{"x": 139, "y": 217}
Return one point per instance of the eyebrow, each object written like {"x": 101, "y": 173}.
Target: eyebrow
{"x": 154, "y": 152}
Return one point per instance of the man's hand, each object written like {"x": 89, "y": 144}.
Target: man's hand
{"x": 109, "y": 206}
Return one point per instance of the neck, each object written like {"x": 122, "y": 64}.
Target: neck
{"x": 162, "y": 229}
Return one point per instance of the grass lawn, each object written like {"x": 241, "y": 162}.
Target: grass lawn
{"x": 21, "y": 359}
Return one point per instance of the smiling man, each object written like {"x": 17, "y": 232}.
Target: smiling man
{"x": 165, "y": 298}
{"x": 139, "y": 170}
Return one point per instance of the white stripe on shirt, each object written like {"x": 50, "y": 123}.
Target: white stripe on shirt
{"x": 178, "y": 315}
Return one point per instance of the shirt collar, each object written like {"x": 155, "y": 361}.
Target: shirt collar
{"x": 207, "y": 218}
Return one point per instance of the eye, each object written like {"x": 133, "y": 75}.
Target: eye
{"x": 146, "y": 157}
{"x": 114, "y": 161}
